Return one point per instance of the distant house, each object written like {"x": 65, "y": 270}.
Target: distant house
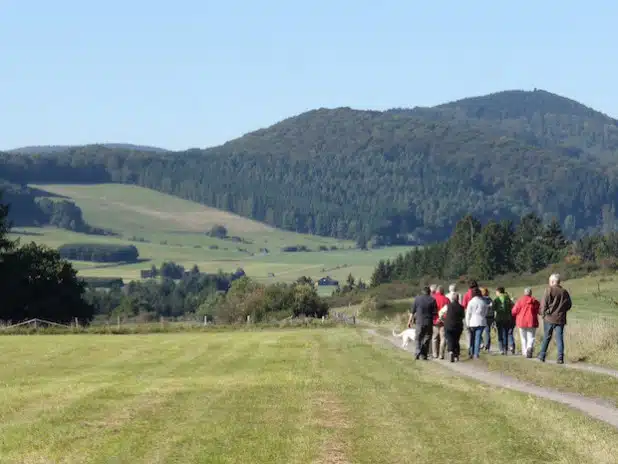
{"x": 146, "y": 274}
{"x": 238, "y": 274}
{"x": 328, "y": 280}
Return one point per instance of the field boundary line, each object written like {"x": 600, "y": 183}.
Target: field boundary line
{"x": 595, "y": 408}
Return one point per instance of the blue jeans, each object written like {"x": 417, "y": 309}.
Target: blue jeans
{"x": 476, "y": 335}
{"x": 549, "y": 330}
{"x": 505, "y": 336}
{"x": 487, "y": 333}
{"x": 512, "y": 338}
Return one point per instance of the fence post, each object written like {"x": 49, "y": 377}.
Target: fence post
{"x": 35, "y": 324}
{"x": 76, "y": 323}
{"x": 118, "y": 322}
{"x": 205, "y": 320}
{"x": 248, "y": 319}
{"x": 322, "y": 319}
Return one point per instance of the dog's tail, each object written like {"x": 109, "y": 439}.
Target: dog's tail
{"x": 396, "y": 334}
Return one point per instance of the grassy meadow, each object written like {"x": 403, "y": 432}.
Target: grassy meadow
{"x": 168, "y": 228}
{"x": 281, "y": 396}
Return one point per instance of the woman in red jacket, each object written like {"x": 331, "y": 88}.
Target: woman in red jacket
{"x": 526, "y": 313}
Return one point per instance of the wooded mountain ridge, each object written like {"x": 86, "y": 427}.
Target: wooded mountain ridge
{"x": 401, "y": 175}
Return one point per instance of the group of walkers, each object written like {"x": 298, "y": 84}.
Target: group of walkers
{"x": 440, "y": 320}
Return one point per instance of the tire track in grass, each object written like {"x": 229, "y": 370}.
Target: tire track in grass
{"x": 601, "y": 410}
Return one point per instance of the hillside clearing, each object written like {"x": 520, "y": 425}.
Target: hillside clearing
{"x": 123, "y": 206}
{"x": 168, "y": 228}
{"x": 294, "y": 396}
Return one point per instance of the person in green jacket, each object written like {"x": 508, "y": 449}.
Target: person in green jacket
{"x": 505, "y": 324}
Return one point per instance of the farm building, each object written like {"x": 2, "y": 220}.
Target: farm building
{"x": 328, "y": 280}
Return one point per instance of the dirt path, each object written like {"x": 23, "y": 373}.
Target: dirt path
{"x": 598, "y": 409}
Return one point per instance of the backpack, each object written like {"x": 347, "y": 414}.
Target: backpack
{"x": 502, "y": 308}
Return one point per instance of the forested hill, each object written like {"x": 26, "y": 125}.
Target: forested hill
{"x": 393, "y": 175}
{"x": 37, "y": 149}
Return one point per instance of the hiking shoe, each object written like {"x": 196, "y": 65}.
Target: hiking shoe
{"x": 451, "y": 356}
{"x": 560, "y": 361}
{"x": 503, "y": 353}
{"x": 541, "y": 358}
{"x": 529, "y": 353}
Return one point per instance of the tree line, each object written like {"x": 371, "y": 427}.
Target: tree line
{"x": 382, "y": 178}
{"x": 35, "y": 282}
{"x": 99, "y": 252}
{"x": 498, "y": 248}
{"x": 222, "y": 298}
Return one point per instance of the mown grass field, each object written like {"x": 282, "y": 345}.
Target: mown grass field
{"x": 168, "y": 228}
{"x": 281, "y": 396}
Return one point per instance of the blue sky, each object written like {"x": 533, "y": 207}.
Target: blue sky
{"x": 189, "y": 73}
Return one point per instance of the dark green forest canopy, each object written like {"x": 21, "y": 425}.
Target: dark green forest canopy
{"x": 398, "y": 175}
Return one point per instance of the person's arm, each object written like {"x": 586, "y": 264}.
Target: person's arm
{"x": 412, "y": 314}
{"x": 568, "y": 302}
{"x": 442, "y": 312}
{"x": 545, "y": 302}
{"x": 434, "y": 310}
{"x": 467, "y": 318}
{"x": 516, "y": 308}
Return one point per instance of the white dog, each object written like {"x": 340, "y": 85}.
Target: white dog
{"x": 406, "y": 335}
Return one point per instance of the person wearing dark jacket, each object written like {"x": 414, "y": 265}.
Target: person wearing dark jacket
{"x": 555, "y": 304}
{"x": 424, "y": 310}
{"x": 453, "y": 315}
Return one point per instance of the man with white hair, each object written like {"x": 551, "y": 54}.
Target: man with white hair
{"x": 555, "y": 304}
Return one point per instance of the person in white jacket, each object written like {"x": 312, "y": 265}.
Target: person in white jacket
{"x": 476, "y": 320}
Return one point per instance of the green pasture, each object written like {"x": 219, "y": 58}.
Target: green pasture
{"x": 167, "y": 228}
{"x": 281, "y": 396}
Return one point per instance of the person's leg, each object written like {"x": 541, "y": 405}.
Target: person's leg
{"x": 548, "y": 330}
{"x": 419, "y": 341}
{"x": 427, "y": 335}
{"x": 522, "y": 339}
{"x": 511, "y": 339}
{"x": 478, "y": 334}
{"x": 527, "y": 342}
{"x": 470, "y": 341}
{"x": 457, "y": 338}
{"x": 435, "y": 341}
{"x": 501, "y": 338}
{"x": 490, "y": 324}
{"x": 442, "y": 342}
{"x": 450, "y": 343}
{"x": 560, "y": 343}
{"x": 532, "y": 338}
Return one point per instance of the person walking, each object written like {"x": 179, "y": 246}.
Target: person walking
{"x": 503, "y": 317}
{"x": 452, "y": 289}
{"x": 526, "y": 313}
{"x": 472, "y": 284}
{"x": 555, "y": 305}
{"x": 453, "y": 315}
{"x": 438, "y": 341}
{"x": 432, "y": 289}
{"x": 486, "y": 343}
{"x": 424, "y": 311}
{"x": 476, "y": 320}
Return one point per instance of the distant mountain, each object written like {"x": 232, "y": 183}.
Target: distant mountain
{"x": 38, "y": 149}
{"x": 390, "y": 176}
